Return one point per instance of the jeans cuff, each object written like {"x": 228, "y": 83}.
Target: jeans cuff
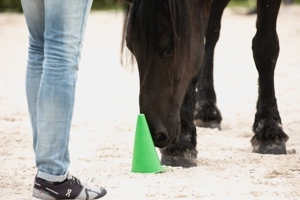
{"x": 52, "y": 178}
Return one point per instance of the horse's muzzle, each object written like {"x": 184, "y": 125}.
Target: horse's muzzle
{"x": 163, "y": 138}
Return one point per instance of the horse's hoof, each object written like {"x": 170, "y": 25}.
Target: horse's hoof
{"x": 185, "y": 160}
{"x": 177, "y": 161}
{"x": 208, "y": 124}
{"x": 269, "y": 137}
{"x": 207, "y": 115}
{"x": 277, "y": 148}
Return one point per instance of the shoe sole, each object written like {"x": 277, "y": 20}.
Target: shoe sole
{"x": 35, "y": 198}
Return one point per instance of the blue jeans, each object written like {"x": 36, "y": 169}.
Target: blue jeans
{"x": 56, "y": 29}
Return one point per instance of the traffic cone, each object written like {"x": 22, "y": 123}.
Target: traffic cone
{"x": 145, "y": 158}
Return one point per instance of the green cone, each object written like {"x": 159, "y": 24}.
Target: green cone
{"x": 145, "y": 158}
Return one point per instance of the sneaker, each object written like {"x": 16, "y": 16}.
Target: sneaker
{"x": 71, "y": 188}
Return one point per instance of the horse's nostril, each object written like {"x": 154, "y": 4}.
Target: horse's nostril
{"x": 161, "y": 138}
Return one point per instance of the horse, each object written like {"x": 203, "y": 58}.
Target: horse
{"x": 173, "y": 44}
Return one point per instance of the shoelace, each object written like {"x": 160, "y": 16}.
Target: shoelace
{"x": 76, "y": 182}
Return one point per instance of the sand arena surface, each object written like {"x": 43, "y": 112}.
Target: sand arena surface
{"x": 106, "y": 108}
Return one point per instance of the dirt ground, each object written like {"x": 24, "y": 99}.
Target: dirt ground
{"x": 106, "y": 108}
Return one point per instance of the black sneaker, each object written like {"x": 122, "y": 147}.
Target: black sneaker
{"x": 71, "y": 188}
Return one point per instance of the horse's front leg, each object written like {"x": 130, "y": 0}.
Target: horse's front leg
{"x": 269, "y": 137}
{"x": 206, "y": 112}
{"x": 184, "y": 153}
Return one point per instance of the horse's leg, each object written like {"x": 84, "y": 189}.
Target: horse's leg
{"x": 206, "y": 112}
{"x": 269, "y": 137}
{"x": 184, "y": 152}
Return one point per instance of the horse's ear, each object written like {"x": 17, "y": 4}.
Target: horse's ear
{"x": 126, "y": 1}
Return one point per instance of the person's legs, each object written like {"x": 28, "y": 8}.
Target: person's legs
{"x": 56, "y": 32}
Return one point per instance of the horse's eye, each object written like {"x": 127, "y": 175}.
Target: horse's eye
{"x": 167, "y": 47}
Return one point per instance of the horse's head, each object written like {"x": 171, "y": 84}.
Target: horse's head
{"x": 161, "y": 36}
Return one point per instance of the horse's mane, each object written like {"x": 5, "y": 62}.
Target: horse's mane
{"x": 142, "y": 24}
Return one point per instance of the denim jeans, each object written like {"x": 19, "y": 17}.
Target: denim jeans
{"x": 56, "y": 29}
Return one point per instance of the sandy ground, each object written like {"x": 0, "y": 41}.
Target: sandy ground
{"x": 106, "y": 108}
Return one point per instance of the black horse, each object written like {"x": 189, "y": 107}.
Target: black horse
{"x": 173, "y": 43}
